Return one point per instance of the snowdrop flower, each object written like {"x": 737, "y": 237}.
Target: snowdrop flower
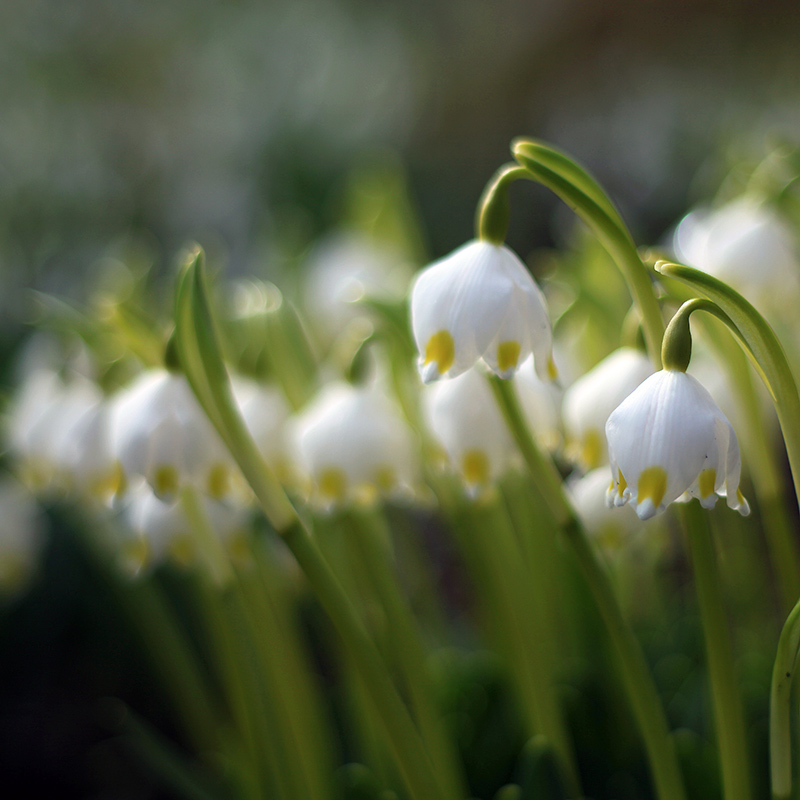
{"x": 541, "y": 404}
{"x": 41, "y": 422}
{"x": 155, "y": 531}
{"x": 745, "y": 244}
{"x": 588, "y": 494}
{"x": 265, "y": 412}
{"x": 353, "y": 444}
{"x": 160, "y": 433}
{"x": 591, "y": 399}
{"x": 343, "y": 269}
{"x": 462, "y": 415}
{"x": 669, "y": 437}
{"x": 480, "y": 302}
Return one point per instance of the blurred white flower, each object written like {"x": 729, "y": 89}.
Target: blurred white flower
{"x": 160, "y": 433}
{"x": 747, "y": 245}
{"x": 669, "y": 437}
{"x": 541, "y": 404}
{"x": 353, "y": 444}
{"x": 463, "y": 416}
{"x": 21, "y": 535}
{"x": 479, "y": 302}
{"x": 343, "y": 269}
{"x": 591, "y": 399}
{"x": 155, "y": 531}
{"x": 588, "y": 494}
{"x": 265, "y": 412}
{"x": 40, "y": 424}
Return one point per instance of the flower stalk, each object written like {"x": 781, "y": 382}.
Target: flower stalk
{"x": 638, "y": 683}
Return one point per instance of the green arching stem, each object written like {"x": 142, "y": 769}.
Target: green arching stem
{"x": 584, "y": 196}
{"x": 494, "y": 212}
{"x": 638, "y": 683}
{"x": 728, "y": 713}
{"x": 761, "y": 344}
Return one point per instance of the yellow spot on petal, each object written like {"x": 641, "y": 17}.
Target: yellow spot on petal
{"x": 652, "y": 485}
{"x": 385, "y": 478}
{"x": 165, "y": 481}
{"x": 740, "y": 496}
{"x": 507, "y": 355}
{"x": 592, "y": 449}
{"x": 442, "y": 350}
{"x": 219, "y": 483}
{"x": 552, "y": 369}
{"x": 706, "y": 482}
{"x": 623, "y": 484}
{"x": 332, "y": 483}
{"x": 475, "y": 466}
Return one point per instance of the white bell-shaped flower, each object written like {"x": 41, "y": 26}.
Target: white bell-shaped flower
{"x": 154, "y": 531}
{"x": 353, "y": 444}
{"x": 463, "y": 416}
{"x": 588, "y": 493}
{"x": 541, "y": 404}
{"x": 747, "y": 245}
{"x": 591, "y": 399}
{"x": 480, "y": 302}
{"x": 40, "y": 423}
{"x": 669, "y": 437}
{"x": 86, "y": 454}
{"x": 345, "y": 268}
{"x": 160, "y": 433}
{"x": 265, "y": 411}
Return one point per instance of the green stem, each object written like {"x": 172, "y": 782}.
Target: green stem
{"x": 728, "y": 713}
{"x": 781, "y": 708}
{"x": 369, "y": 533}
{"x": 404, "y": 739}
{"x": 584, "y": 196}
{"x": 525, "y": 633}
{"x": 638, "y": 682}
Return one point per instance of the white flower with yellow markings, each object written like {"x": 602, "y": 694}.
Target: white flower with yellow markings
{"x": 668, "y": 438}
{"x": 160, "y": 433}
{"x": 353, "y": 444}
{"x": 591, "y": 399}
{"x": 463, "y": 416}
{"x": 480, "y": 302}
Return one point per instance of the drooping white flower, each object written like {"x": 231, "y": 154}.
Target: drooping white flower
{"x": 345, "y": 268}
{"x": 265, "y": 412}
{"x": 669, "y": 437}
{"x": 591, "y": 399}
{"x": 747, "y": 245}
{"x": 353, "y": 444}
{"x": 588, "y": 494}
{"x": 463, "y": 416}
{"x": 479, "y": 302}
{"x": 154, "y": 531}
{"x": 541, "y": 404}
{"x": 41, "y": 424}
{"x": 160, "y": 433}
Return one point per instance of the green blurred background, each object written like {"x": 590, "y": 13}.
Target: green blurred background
{"x": 128, "y": 127}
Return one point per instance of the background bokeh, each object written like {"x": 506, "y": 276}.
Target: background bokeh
{"x": 128, "y": 127}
